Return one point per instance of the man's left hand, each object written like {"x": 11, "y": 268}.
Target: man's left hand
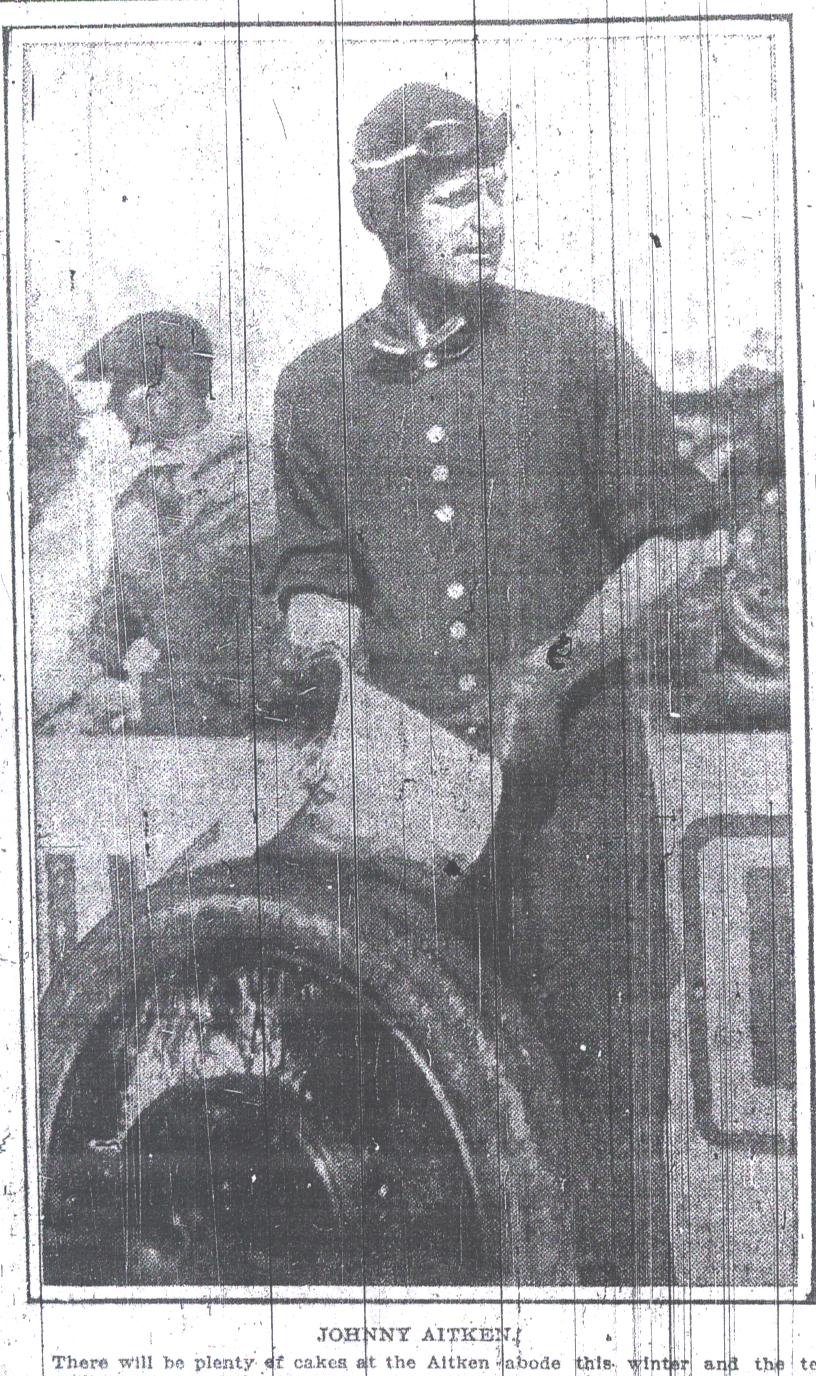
{"x": 527, "y": 702}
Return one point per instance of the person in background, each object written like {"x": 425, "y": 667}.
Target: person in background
{"x": 733, "y": 651}
{"x": 57, "y": 572}
{"x": 55, "y": 439}
{"x": 172, "y": 633}
{"x": 479, "y": 499}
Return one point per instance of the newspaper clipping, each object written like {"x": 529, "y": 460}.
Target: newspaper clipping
{"x": 408, "y": 953}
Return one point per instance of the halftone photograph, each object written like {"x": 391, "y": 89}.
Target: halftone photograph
{"x": 410, "y": 648}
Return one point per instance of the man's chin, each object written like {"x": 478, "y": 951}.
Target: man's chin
{"x": 471, "y": 274}
{"x": 474, "y": 270}
{"x": 461, "y": 281}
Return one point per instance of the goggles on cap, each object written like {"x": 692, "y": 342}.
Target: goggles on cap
{"x": 448, "y": 140}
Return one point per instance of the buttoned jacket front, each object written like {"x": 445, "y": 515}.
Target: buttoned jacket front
{"x": 471, "y": 496}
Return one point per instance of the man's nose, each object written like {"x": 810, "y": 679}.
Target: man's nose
{"x": 490, "y": 213}
{"x": 137, "y": 396}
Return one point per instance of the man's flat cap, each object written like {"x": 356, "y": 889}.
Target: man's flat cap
{"x": 414, "y": 134}
{"x": 419, "y": 119}
{"x": 140, "y": 346}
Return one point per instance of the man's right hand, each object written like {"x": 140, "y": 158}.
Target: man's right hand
{"x": 302, "y": 690}
{"x": 301, "y": 675}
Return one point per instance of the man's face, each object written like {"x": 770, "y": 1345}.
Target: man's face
{"x": 164, "y": 411}
{"x": 456, "y": 229}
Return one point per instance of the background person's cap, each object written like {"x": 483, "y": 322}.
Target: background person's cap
{"x": 138, "y": 349}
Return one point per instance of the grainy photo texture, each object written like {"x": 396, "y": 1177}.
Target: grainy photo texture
{"x": 404, "y": 597}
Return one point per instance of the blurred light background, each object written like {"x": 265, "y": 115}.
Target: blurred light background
{"x": 180, "y": 173}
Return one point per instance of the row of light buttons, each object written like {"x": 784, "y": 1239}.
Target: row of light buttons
{"x": 445, "y": 513}
{"x": 440, "y": 474}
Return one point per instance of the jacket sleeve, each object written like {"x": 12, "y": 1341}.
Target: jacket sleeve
{"x": 312, "y": 553}
{"x": 640, "y": 485}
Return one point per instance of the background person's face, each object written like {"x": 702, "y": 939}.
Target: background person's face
{"x": 456, "y": 229}
{"x": 164, "y": 411}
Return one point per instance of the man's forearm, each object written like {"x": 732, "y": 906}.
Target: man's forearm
{"x": 645, "y": 587}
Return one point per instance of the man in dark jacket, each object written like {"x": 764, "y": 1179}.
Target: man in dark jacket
{"x": 458, "y": 475}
